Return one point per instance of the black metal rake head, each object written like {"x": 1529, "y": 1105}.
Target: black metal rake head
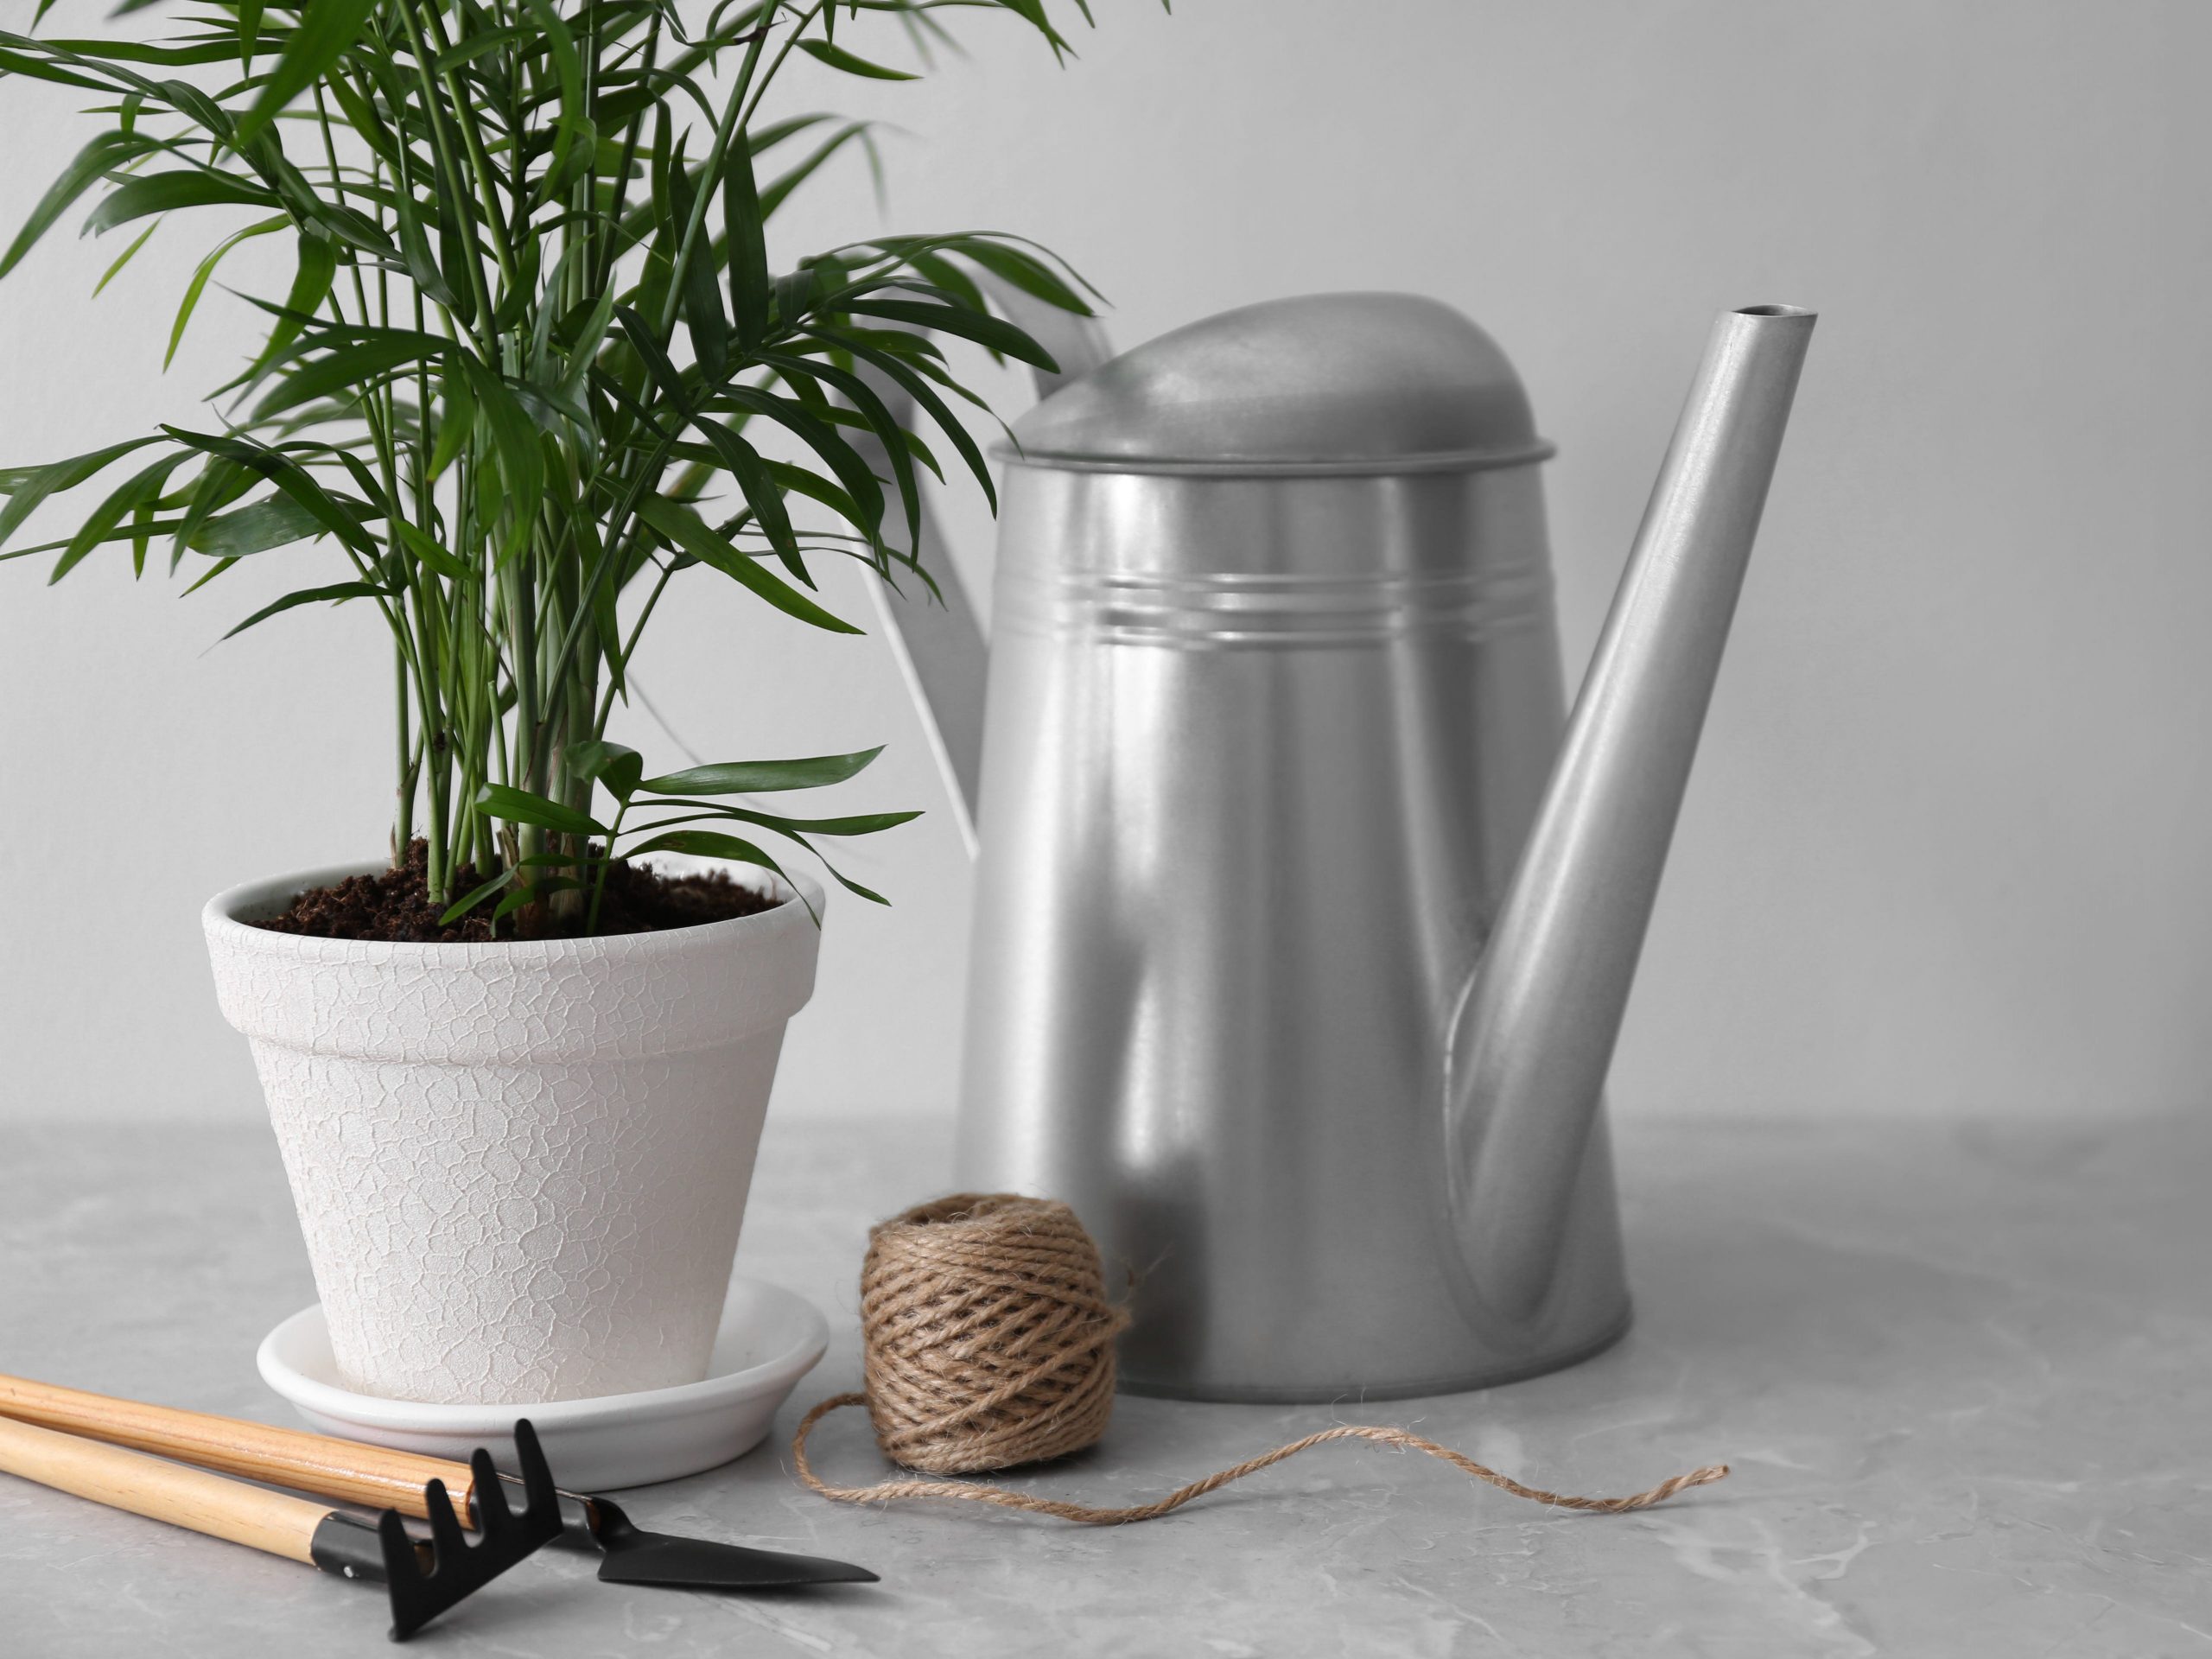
{"x": 458, "y": 1568}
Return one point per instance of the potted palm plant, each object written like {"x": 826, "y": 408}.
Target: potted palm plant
{"x": 533, "y": 365}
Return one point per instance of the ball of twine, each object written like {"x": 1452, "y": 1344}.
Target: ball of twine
{"x": 989, "y": 1337}
{"x": 988, "y": 1342}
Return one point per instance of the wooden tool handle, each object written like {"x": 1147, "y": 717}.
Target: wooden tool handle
{"x": 165, "y": 1492}
{"x": 374, "y": 1476}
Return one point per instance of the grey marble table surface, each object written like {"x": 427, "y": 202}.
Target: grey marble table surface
{"x": 1963, "y": 1374}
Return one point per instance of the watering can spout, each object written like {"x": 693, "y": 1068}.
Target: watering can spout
{"x": 1534, "y": 1034}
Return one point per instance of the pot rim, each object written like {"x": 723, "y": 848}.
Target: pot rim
{"x": 221, "y": 916}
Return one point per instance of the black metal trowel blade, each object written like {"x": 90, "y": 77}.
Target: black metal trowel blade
{"x": 630, "y": 1555}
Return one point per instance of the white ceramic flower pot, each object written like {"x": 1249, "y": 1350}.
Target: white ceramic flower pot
{"x": 521, "y": 1167}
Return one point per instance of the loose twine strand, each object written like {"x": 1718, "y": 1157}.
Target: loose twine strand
{"x": 988, "y": 1342}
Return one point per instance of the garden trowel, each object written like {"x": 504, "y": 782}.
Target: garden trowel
{"x": 380, "y": 1477}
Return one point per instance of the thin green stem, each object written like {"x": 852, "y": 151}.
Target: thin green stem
{"x": 619, "y": 526}
{"x": 716, "y": 157}
{"x": 629, "y": 649}
{"x": 403, "y": 822}
{"x": 442, "y": 147}
{"x": 471, "y": 138}
{"x": 609, "y": 252}
{"x": 606, "y": 864}
{"x": 798, "y": 29}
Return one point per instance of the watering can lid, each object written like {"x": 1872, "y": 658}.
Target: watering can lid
{"x": 1323, "y": 383}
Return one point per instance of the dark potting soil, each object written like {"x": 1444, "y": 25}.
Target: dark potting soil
{"x": 392, "y": 905}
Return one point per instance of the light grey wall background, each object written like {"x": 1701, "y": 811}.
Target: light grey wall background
{"x": 1946, "y": 844}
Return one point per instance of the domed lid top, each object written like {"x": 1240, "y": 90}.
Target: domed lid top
{"x": 1328, "y": 383}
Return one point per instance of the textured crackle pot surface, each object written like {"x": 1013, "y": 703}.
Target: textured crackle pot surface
{"x": 521, "y": 1167}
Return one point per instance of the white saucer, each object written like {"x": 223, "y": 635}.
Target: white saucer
{"x": 769, "y": 1339}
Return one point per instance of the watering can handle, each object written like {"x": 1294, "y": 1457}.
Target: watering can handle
{"x": 1078, "y": 344}
{"x": 940, "y": 648}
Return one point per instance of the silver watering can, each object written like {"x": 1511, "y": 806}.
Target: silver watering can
{"x": 1305, "y": 917}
